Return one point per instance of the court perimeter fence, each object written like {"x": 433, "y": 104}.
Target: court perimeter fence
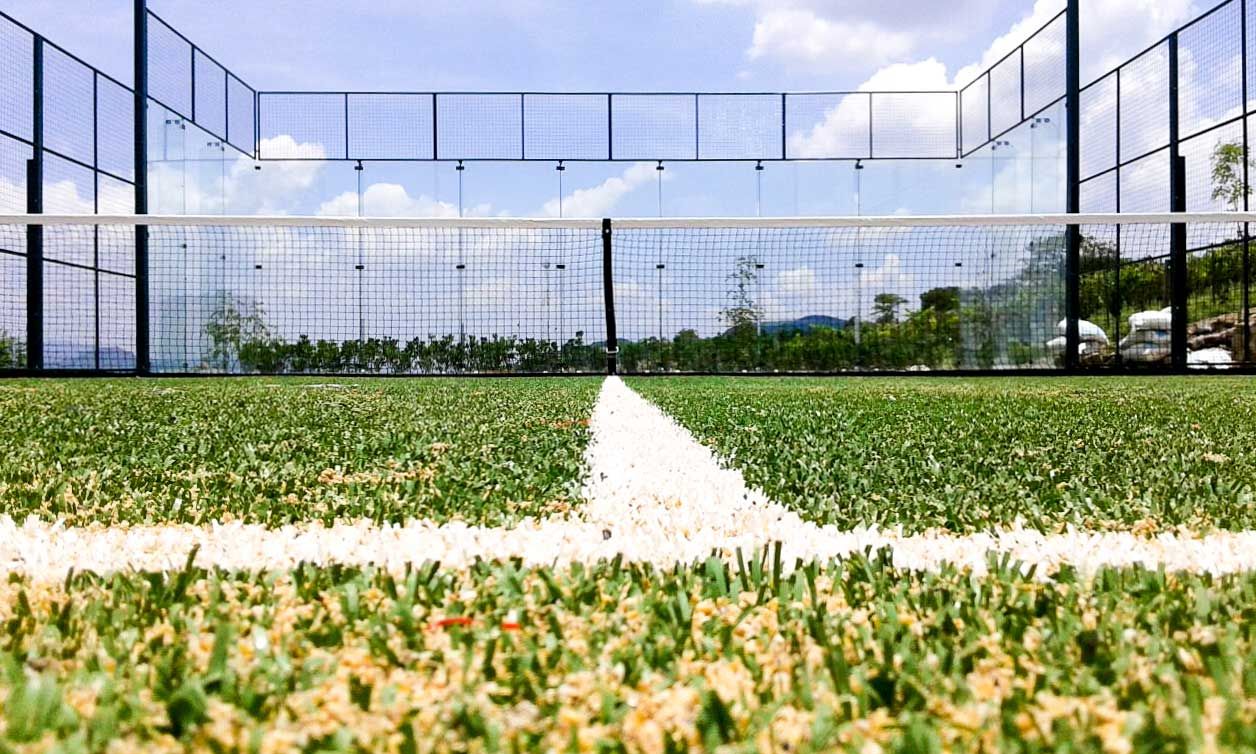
{"x": 317, "y": 295}
{"x": 1167, "y": 131}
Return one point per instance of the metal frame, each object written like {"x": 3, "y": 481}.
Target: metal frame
{"x": 1074, "y": 180}
{"x": 438, "y": 156}
{"x": 195, "y": 50}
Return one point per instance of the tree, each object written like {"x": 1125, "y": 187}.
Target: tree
{"x": 940, "y": 299}
{"x": 885, "y": 307}
{"x": 231, "y": 326}
{"x": 12, "y": 352}
{"x": 1228, "y": 185}
{"x": 743, "y": 314}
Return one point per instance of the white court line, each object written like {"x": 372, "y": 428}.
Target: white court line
{"x": 653, "y": 494}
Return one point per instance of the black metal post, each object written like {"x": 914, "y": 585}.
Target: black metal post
{"x": 35, "y": 206}
{"x": 1178, "y": 282}
{"x": 1245, "y": 326}
{"x": 1178, "y": 292}
{"x": 608, "y": 294}
{"x": 143, "y": 363}
{"x": 1073, "y": 234}
{"x": 96, "y": 211}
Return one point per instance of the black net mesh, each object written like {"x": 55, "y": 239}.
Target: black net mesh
{"x": 390, "y": 126}
{"x": 914, "y": 125}
{"x": 1045, "y": 66}
{"x": 820, "y": 126}
{"x": 566, "y": 126}
{"x": 169, "y": 67}
{"x": 241, "y": 116}
{"x": 1098, "y": 138}
{"x": 1005, "y": 93}
{"x": 740, "y": 126}
{"x": 379, "y": 300}
{"x": 836, "y": 299}
{"x": 68, "y": 106}
{"x": 302, "y": 126}
{"x": 479, "y": 126}
{"x": 1210, "y": 69}
{"x": 16, "y": 80}
{"x": 690, "y": 296}
{"x": 975, "y": 114}
{"x": 1145, "y": 103}
{"x": 210, "y": 95}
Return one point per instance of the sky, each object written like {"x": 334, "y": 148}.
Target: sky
{"x": 565, "y": 45}
{"x": 650, "y": 45}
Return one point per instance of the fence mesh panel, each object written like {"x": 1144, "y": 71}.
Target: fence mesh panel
{"x": 377, "y": 296}
{"x": 211, "y": 95}
{"x": 380, "y": 300}
{"x": 828, "y": 125}
{"x": 390, "y": 126}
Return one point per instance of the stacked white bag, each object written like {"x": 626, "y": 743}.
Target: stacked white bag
{"x": 1150, "y": 338}
{"x": 1093, "y": 338}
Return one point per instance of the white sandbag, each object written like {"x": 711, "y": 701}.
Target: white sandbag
{"x": 1088, "y": 331}
{"x": 1056, "y": 346}
{"x": 1210, "y": 358}
{"x": 1161, "y": 320}
{"x": 1153, "y": 337}
{"x": 1144, "y": 352}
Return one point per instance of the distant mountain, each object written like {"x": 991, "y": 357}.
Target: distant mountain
{"x": 803, "y": 324}
{"x": 60, "y": 355}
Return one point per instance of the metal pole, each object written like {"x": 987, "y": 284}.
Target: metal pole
{"x": 859, "y": 268}
{"x": 1178, "y": 292}
{"x": 608, "y": 298}
{"x": 361, "y": 266}
{"x": 560, "y": 169}
{"x": 35, "y": 206}
{"x": 143, "y": 363}
{"x": 758, "y": 242}
{"x": 1073, "y": 169}
{"x": 1246, "y": 325}
{"x": 660, "y": 267}
{"x": 96, "y": 211}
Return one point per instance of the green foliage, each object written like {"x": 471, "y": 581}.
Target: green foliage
{"x": 435, "y": 355}
{"x": 12, "y": 351}
{"x": 1228, "y": 184}
{"x": 928, "y": 337}
{"x": 973, "y": 454}
{"x": 232, "y": 327}
{"x": 885, "y": 308}
{"x": 195, "y": 451}
{"x": 743, "y": 315}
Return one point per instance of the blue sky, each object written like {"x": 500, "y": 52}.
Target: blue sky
{"x": 563, "y": 45}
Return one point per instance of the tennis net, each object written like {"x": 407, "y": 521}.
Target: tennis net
{"x": 318, "y": 295}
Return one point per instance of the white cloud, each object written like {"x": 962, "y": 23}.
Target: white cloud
{"x": 393, "y": 200}
{"x": 800, "y": 37}
{"x": 1112, "y": 30}
{"x": 800, "y": 281}
{"x": 599, "y": 200}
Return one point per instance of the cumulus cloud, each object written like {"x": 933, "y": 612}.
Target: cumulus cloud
{"x": 1112, "y": 31}
{"x": 393, "y": 200}
{"x": 599, "y": 200}
{"x": 799, "y": 36}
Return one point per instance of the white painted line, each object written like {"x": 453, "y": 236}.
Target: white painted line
{"x": 653, "y": 494}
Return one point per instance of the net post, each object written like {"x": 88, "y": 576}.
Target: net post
{"x": 608, "y": 295}
{"x": 1245, "y": 326}
{"x": 1178, "y": 283}
{"x": 143, "y": 364}
{"x": 35, "y": 206}
{"x": 1177, "y": 231}
{"x": 1073, "y": 234}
